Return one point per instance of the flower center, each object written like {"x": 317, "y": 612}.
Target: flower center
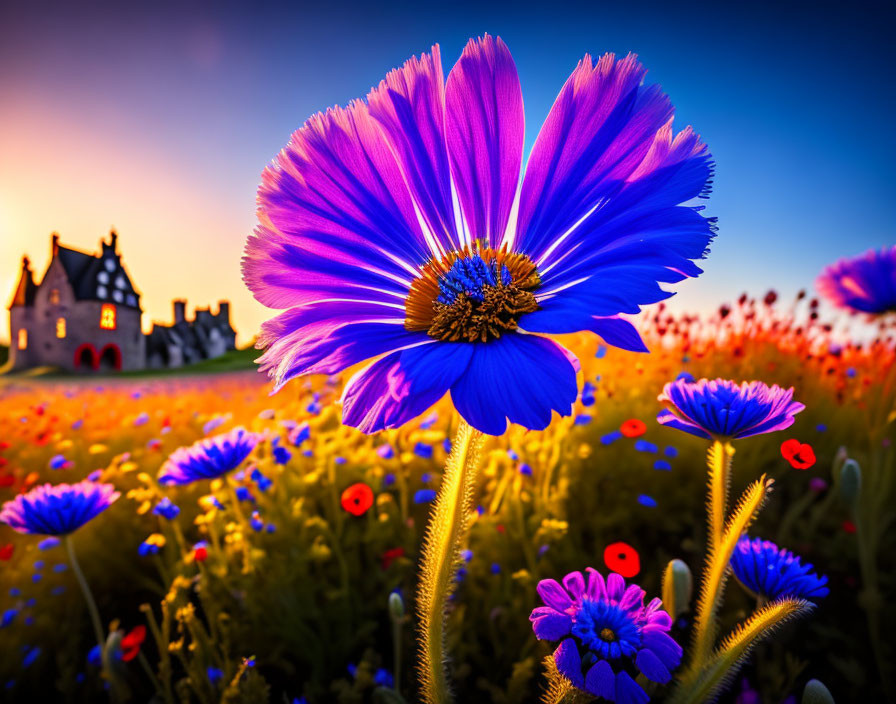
{"x": 607, "y": 635}
{"x": 605, "y": 629}
{"x": 474, "y": 295}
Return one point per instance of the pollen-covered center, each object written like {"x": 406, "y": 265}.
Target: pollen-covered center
{"x": 473, "y": 295}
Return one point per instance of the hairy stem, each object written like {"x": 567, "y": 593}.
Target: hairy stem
{"x": 441, "y": 555}
{"x": 88, "y": 596}
{"x": 719, "y": 464}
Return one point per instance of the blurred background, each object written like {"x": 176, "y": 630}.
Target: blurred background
{"x": 158, "y": 119}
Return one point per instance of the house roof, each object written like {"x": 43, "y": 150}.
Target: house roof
{"x": 26, "y": 288}
{"x": 100, "y": 277}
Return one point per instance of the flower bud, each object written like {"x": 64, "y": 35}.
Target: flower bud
{"x": 850, "y": 483}
{"x": 396, "y": 606}
{"x": 816, "y": 693}
{"x": 678, "y": 585}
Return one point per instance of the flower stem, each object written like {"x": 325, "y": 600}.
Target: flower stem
{"x": 88, "y": 596}
{"x": 441, "y": 555}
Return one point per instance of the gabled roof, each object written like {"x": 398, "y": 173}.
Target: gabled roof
{"x": 91, "y": 278}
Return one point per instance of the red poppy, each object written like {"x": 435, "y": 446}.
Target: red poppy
{"x": 130, "y": 644}
{"x": 800, "y": 455}
{"x": 391, "y": 556}
{"x": 200, "y": 554}
{"x": 7, "y": 480}
{"x": 849, "y": 526}
{"x": 4, "y": 445}
{"x": 633, "y": 428}
{"x": 6, "y": 551}
{"x": 357, "y": 499}
{"x": 623, "y": 559}
{"x": 3, "y": 461}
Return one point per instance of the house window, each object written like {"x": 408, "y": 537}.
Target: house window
{"x": 107, "y": 317}
{"x": 23, "y": 339}
{"x": 60, "y": 328}
{"x": 54, "y": 296}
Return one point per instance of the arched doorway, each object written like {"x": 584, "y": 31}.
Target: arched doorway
{"x": 86, "y": 358}
{"x": 110, "y": 358}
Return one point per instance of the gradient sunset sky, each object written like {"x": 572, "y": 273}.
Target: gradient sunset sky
{"x": 159, "y": 121}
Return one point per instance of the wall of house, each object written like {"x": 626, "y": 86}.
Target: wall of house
{"x": 20, "y": 318}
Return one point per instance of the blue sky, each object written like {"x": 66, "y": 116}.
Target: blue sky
{"x": 160, "y": 119}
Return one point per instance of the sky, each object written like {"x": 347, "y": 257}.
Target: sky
{"x": 158, "y": 119}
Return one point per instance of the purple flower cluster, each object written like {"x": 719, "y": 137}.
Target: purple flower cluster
{"x": 724, "y": 410}
{"x": 209, "y": 458}
{"x": 605, "y": 631}
{"x": 863, "y": 284}
{"x": 57, "y": 510}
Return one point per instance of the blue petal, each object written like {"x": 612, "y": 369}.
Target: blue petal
{"x": 402, "y": 385}
{"x": 628, "y": 691}
{"x": 517, "y": 377}
{"x": 569, "y": 662}
{"x": 652, "y": 667}
{"x": 601, "y": 681}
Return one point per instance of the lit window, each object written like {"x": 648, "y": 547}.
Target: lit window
{"x": 54, "y": 296}
{"x": 23, "y": 339}
{"x": 107, "y": 317}
{"x": 60, "y": 328}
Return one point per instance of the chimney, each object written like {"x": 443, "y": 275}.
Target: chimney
{"x": 180, "y": 311}
{"x": 224, "y": 310}
{"x": 54, "y": 244}
{"x": 26, "y": 265}
{"x": 113, "y": 240}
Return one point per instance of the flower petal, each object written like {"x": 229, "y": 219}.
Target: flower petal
{"x": 669, "y": 419}
{"x": 522, "y": 378}
{"x": 330, "y": 336}
{"x": 409, "y": 104}
{"x": 336, "y": 192}
{"x": 550, "y": 624}
{"x": 628, "y": 691}
{"x": 663, "y": 646}
{"x": 615, "y": 587}
{"x": 484, "y": 126}
{"x": 652, "y": 667}
{"x": 561, "y": 315}
{"x": 601, "y": 681}
{"x": 575, "y": 584}
{"x": 553, "y": 595}
{"x": 569, "y": 662}
{"x": 402, "y": 385}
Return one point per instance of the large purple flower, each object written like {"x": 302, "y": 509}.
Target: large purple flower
{"x": 864, "y": 284}
{"x": 208, "y": 458}
{"x": 723, "y": 410}
{"x": 401, "y": 227}
{"x": 59, "y": 509}
{"x": 605, "y": 632}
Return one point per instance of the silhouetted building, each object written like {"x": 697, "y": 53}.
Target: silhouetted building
{"x": 84, "y": 315}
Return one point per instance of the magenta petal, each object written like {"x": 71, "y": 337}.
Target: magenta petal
{"x": 569, "y": 662}
{"x": 652, "y": 667}
{"x": 484, "y": 126}
{"x": 402, "y": 385}
{"x": 553, "y": 594}
{"x": 597, "y": 587}
{"x": 601, "y": 681}
{"x": 634, "y": 596}
{"x": 550, "y": 624}
{"x": 615, "y": 587}
{"x": 409, "y": 104}
{"x": 575, "y": 584}
{"x": 336, "y": 191}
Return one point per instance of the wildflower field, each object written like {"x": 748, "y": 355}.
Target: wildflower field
{"x": 295, "y": 574}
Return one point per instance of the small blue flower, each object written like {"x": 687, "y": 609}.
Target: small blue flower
{"x": 95, "y": 656}
{"x": 214, "y": 674}
{"x": 645, "y": 446}
{"x": 166, "y": 509}
{"x": 610, "y": 438}
{"x": 388, "y": 479}
{"x": 60, "y": 567}
{"x": 39, "y": 564}
{"x": 424, "y": 496}
{"x": 58, "y": 462}
{"x": 32, "y": 655}
{"x": 48, "y": 543}
{"x": 495, "y": 568}
{"x": 209, "y": 458}
{"x": 773, "y": 572}
{"x": 300, "y": 434}
{"x": 662, "y": 465}
{"x": 647, "y": 501}
{"x": 446, "y": 445}
{"x": 262, "y": 482}
{"x": 582, "y": 419}
{"x": 282, "y": 455}
{"x": 423, "y": 450}
{"x": 383, "y": 678}
{"x": 243, "y": 494}
{"x": 601, "y": 352}
{"x": 525, "y": 469}
{"x": 466, "y": 555}
{"x": 670, "y": 451}
{"x": 385, "y": 451}
{"x": 8, "y": 617}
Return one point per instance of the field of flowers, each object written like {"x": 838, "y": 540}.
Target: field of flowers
{"x": 295, "y": 574}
